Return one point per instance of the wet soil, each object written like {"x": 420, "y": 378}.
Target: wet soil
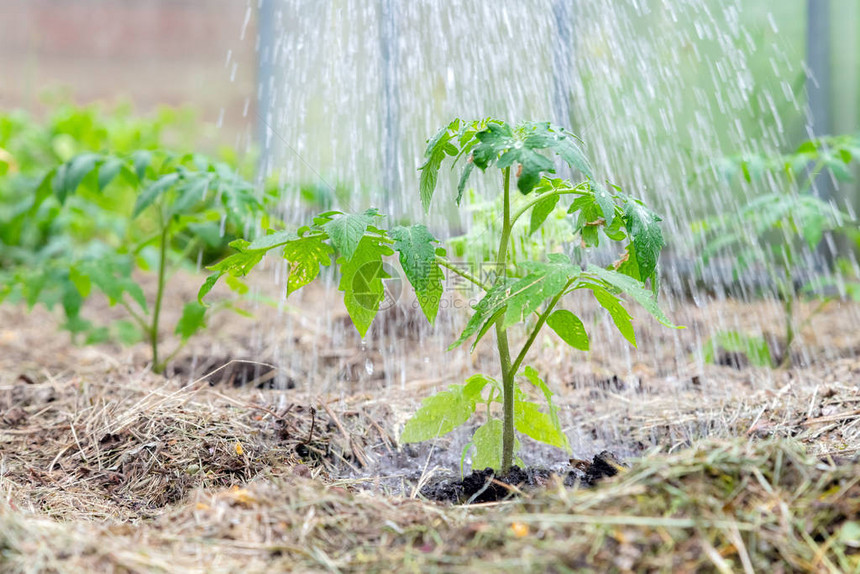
{"x": 92, "y": 442}
{"x": 232, "y": 371}
{"x": 281, "y": 372}
{"x": 488, "y": 486}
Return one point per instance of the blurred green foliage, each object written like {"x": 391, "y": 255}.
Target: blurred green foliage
{"x": 480, "y": 240}
{"x": 778, "y": 232}
{"x": 91, "y": 198}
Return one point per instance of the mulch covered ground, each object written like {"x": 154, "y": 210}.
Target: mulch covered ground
{"x": 105, "y": 466}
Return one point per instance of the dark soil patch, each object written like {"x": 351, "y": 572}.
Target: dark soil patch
{"x": 486, "y": 486}
{"x": 231, "y": 371}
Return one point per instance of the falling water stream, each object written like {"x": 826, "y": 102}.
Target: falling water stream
{"x": 657, "y": 89}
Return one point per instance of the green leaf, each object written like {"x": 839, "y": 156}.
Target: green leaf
{"x": 141, "y": 160}
{"x": 32, "y": 286}
{"x": 615, "y": 231}
{"x": 239, "y": 264}
{"x": 81, "y": 281}
{"x": 815, "y": 216}
{"x": 541, "y": 211}
{"x": 532, "y": 164}
{"x": 622, "y": 319}
{"x": 488, "y": 445}
{"x": 464, "y": 177}
{"x": 72, "y": 301}
{"x": 6, "y": 162}
{"x": 643, "y": 225}
{"x": 486, "y": 312}
{"x": 415, "y": 245}
{"x": 438, "y": 148}
{"x": 837, "y": 166}
{"x": 554, "y": 437}
{"x": 189, "y": 193}
{"x": 475, "y": 385}
{"x": 44, "y": 190}
{"x": 208, "y": 285}
{"x": 756, "y": 349}
{"x": 494, "y": 139}
{"x": 491, "y": 142}
{"x": 544, "y": 280}
{"x": 193, "y": 319}
{"x": 151, "y": 193}
{"x": 417, "y": 254}
{"x": 634, "y": 288}
{"x": 440, "y": 414}
{"x": 534, "y": 378}
{"x": 114, "y": 280}
{"x": 236, "y": 285}
{"x": 596, "y": 208}
{"x": 567, "y": 148}
{"x": 78, "y": 168}
{"x": 58, "y": 185}
{"x": 629, "y": 265}
{"x": 570, "y": 328}
{"x": 108, "y": 171}
{"x": 209, "y": 232}
{"x": 604, "y": 200}
{"x": 514, "y": 149}
{"x": 306, "y": 255}
{"x": 347, "y": 230}
{"x": 361, "y": 281}
{"x": 430, "y": 298}
{"x": 273, "y": 240}
{"x": 529, "y": 420}
{"x": 96, "y": 335}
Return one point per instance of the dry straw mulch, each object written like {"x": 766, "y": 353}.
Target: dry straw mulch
{"x": 105, "y": 467}
{"x": 122, "y": 471}
{"x": 124, "y": 448}
{"x": 721, "y": 506}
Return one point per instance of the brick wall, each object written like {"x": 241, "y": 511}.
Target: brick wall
{"x": 150, "y": 51}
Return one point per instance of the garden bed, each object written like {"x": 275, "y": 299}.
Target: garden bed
{"x": 106, "y": 466}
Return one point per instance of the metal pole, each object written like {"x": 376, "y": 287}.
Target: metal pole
{"x": 819, "y": 96}
{"x": 562, "y": 61}
{"x": 818, "y": 81}
{"x": 390, "y": 105}
{"x": 265, "y": 80}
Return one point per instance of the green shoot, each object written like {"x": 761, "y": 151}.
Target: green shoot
{"x": 523, "y": 297}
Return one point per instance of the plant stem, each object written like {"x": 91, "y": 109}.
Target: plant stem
{"x": 788, "y": 306}
{"x": 538, "y": 326}
{"x": 159, "y": 295}
{"x": 464, "y": 274}
{"x": 810, "y": 177}
{"x": 502, "y": 339}
{"x": 531, "y": 203}
{"x": 788, "y": 297}
{"x": 141, "y": 322}
{"x": 818, "y": 308}
{"x": 175, "y": 352}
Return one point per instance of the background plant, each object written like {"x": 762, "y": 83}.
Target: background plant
{"x": 777, "y": 232}
{"x": 524, "y": 296}
{"x": 30, "y": 148}
{"x": 72, "y": 227}
{"x": 479, "y": 242}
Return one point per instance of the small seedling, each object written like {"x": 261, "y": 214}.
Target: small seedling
{"x": 182, "y": 205}
{"x": 524, "y": 297}
{"x": 774, "y": 231}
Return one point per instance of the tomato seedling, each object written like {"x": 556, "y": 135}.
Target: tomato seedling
{"x": 525, "y": 295}
{"x": 180, "y": 206}
{"x": 777, "y": 231}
